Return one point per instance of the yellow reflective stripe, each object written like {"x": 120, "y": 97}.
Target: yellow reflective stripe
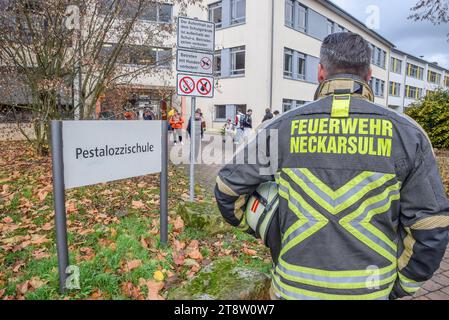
{"x": 340, "y": 105}
{"x": 295, "y": 292}
{"x": 410, "y": 286}
{"x": 406, "y": 255}
{"x": 342, "y": 190}
{"x": 345, "y": 222}
{"x": 224, "y": 188}
{"x": 321, "y": 220}
{"x": 430, "y": 223}
{"x": 343, "y": 206}
{"x": 334, "y": 274}
{"x": 336, "y": 285}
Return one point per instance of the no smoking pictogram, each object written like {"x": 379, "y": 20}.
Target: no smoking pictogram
{"x": 187, "y": 85}
{"x": 206, "y": 63}
{"x": 204, "y": 86}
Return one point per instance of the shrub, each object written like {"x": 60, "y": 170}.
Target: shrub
{"x": 432, "y": 113}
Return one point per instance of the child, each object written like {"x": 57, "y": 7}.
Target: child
{"x": 176, "y": 122}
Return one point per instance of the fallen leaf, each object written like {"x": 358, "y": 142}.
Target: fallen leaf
{"x": 131, "y": 291}
{"x": 153, "y": 289}
{"x": 178, "y": 258}
{"x": 7, "y": 220}
{"x": 36, "y": 283}
{"x": 2, "y": 292}
{"x": 195, "y": 254}
{"x": 70, "y": 207}
{"x": 47, "y": 227}
{"x": 22, "y": 288}
{"x": 17, "y": 266}
{"x": 133, "y": 264}
{"x": 179, "y": 245}
{"x": 41, "y": 254}
{"x": 42, "y": 194}
{"x": 158, "y": 276}
{"x": 178, "y": 225}
{"x": 249, "y": 252}
{"x": 137, "y": 204}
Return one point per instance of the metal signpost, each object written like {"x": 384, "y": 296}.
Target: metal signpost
{"x": 90, "y": 152}
{"x": 195, "y": 56}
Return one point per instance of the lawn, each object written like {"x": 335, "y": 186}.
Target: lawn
{"x": 113, "y": 235}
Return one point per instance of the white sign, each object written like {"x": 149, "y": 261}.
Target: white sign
{"x": 196, "y": 35}
{"x": 195, "y": 86}
{"x": 102, "y": 151}
{"x": 194, "y": 62}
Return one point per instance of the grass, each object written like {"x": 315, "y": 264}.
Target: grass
{"x": 106, "y": 232}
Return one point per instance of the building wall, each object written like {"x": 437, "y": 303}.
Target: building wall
{"x": 253, "y": 89}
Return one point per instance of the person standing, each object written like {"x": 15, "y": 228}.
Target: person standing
{"x": 363, "y": 213}
{"x": 176, "y": 122}
{"x": 238, "y": 125}
{"x": 247, "y": 123}
{"x": 268, "y": 115}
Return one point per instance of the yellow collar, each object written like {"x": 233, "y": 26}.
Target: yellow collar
{"x": 355, "y": 87}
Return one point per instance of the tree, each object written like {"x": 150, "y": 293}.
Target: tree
{"x": 50, "y": 45}
{"x": 432, "y": 113}
{"x": 435, "y": 11}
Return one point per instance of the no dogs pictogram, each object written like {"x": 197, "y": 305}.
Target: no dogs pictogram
{"x": 187, "y": 85}
{"x": 206, "y": 63}
{"x": 204, "y": 86}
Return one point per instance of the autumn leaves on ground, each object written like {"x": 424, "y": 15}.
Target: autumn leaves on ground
{"x": 113, "y": 234}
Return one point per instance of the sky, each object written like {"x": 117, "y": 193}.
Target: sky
{"x": 416, "y": 38}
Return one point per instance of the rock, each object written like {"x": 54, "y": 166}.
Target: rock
{"x": 222, "y": 280}
{"x": 203, "y": 216}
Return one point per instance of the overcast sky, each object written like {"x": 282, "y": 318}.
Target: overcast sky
{"x": 416, "y": 38}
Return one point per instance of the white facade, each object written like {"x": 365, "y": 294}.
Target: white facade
{"x": 412, "y": 85}
{"x": 267, "y": 35}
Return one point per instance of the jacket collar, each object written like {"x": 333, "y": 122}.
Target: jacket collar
{"x": 345, "y": 83}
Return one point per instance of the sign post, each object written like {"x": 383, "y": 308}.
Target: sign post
{"x": 195, "y": 55}
{"x": 90, "y": 152}
{"x": 59, "y": 203}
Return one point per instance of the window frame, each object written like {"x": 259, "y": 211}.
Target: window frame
{"x": 211, "y": 9}
{"x": 233, "y": 55}
{"x": 217, "y": 72}
{"x": 288, "y": 72}
{"x": 237, "y": 20}
{"x": 218, "y": 119}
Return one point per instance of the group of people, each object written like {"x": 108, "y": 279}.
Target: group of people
{"x": 176, "y": 122}
{"x": 242, "y": 125}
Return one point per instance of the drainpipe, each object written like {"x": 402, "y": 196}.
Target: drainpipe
{"x": 272, "y": 55}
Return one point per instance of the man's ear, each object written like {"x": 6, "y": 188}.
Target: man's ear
{"x": 369, "y": 75}
{"x": 322, "y": 74}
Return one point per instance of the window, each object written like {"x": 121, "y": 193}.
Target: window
{"x": 414, "y": 71}
{"x": 155, "y": 12}
{"x": 216, "y": 14}
{"x": 295, "y": 15}
{"x": 289, "y": 7}
{"x": 238, "y": 11}
{"x": 446, "y": 81}
{"x": 136, "y": 55}
{"x": 378, "y": 56}
{"x": 378, "y": 87}
{"x": 289, "y": 104}
{"x": 396, "y": 65}
{"x": 413, "y": 92}
{"x": 300, "y": 72}
{"x": 339, "y": 28}
{"x": 395, "y": 89}
{"x": 301, "y": 18}
{"x": 433, "y": 77}
{"x": 238, "y": 60}
{"x": 217, "y": 63}
{"x": 330, "y": 27}
{"x": 220, "y": 112}
{"x": 165, "y": 12}
{"x": 288, "y": 63}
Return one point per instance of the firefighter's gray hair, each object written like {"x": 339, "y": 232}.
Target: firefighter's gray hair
{"x": 346, "y": 52}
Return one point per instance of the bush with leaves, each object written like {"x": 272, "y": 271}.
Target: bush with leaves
{"x": 432, "y": 113}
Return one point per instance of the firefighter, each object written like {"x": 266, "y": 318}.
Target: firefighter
{"x": 362, "y": 212}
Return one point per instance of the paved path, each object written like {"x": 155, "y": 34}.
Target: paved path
{"x": 435, "y": 289}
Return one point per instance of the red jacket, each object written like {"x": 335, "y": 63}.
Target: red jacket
{"x": 176, "y": 122}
